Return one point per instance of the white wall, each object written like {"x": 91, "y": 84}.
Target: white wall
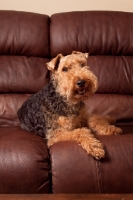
{"x": 53, "y": 6}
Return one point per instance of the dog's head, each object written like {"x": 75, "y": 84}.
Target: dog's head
{"x": 72, "y": 76}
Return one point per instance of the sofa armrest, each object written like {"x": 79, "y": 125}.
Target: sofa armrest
{"x": 73, "y": 171}
{"x": 24, "y": 162}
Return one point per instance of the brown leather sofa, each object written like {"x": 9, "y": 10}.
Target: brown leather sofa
{"x": 27, "y": 42}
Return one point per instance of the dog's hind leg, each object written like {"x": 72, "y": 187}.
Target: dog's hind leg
{"x": 103, "y": 125}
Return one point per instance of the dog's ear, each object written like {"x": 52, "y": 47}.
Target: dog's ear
{"x": 77, "y": 52}
{"x": 53, "y": 64}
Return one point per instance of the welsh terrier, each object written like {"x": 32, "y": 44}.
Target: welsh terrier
{"x": 58, "y": 112}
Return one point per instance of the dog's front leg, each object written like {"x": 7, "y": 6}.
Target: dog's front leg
{"x": 83, "y": 137}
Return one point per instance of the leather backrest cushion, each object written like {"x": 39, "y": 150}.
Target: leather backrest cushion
{"x": 21, "y": 74}
{"x": 24, "y": 51}
{"x": 114, "y": 74}
{"x": 118, "y": 106}
{"x": 24, "y": 33}
{"x": 9, "y": 105}
{"x": 96, "y": 32}
{"x": 107, "y": 37}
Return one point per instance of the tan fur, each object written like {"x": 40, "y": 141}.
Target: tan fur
{"x": 66, "y": 72}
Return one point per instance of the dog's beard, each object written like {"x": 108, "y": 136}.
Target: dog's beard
{"x": 73, "y": 93}
{"x": 78, "y": 94}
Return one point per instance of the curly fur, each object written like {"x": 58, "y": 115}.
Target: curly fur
{"x": 58, "y": 112}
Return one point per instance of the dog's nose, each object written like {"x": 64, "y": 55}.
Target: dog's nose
{"x": 81, "y": 83}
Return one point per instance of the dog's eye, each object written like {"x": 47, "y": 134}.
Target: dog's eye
{"x": 82, "y": 64}
{"x": 64, "y": 69}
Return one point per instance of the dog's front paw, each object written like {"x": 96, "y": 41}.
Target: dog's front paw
{"x": 97, "y": 151}
{"x": 113, "y": 130}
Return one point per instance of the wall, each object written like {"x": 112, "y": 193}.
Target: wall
{"x": 53, "y": 6}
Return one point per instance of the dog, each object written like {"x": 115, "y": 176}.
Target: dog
{"x": 57, "y": 112}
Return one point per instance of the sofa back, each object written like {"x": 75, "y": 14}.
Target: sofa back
{"x": 29, "y": 40}
{"x": 107, "y": 36}
{"x": 24, "y": 51}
